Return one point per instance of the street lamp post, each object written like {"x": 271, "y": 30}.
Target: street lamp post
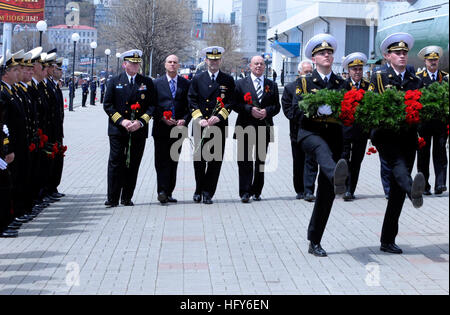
{"x": 283, "y": 72}
{"x": 107, "y": 53}
{"x": 42, "y": 27}
{"x": 75, "y": 38}
{"x": 93, "y": 46}
{"x": 118, "y": 59}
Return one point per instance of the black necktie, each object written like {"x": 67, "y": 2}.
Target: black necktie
{"x": 434, "y": 77}
{"x": 325, "y": 80}
{"x": 400, "y": 77}
{"x": 131, "y": 82}
{"x": 212, "y": 78}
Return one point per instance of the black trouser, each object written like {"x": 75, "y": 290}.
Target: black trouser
{"x": 45, "y": 167}
{"x": 385, "y": 172}
{"x": 251, "y": 163}
{"x": 435, "y": 132}
{"x": 166, "y": 166}
{"x": 85, "y": 95}
{"x": 122, "y": 180}
{"x": 56, "y": 172}
{"x": 326, "y": 149}
{"x": 35, "y": 163}
{"x": 6, "y": 216}
{"x": 400, "y": 156}
{"x": 207, "y": 171}
{"x": 305, "y": 170}
{"x": 354, "y": 152}
{"x": 93, "y": 94}
{"x": 102, "y": 97}
{"x": 20, "y": 180}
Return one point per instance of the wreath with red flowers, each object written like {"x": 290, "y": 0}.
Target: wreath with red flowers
{"x": 349, "y": 105}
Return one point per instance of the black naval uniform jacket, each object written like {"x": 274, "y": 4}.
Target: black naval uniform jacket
{"x": 310, "y": 84}
{"x": 292, "y": 111}
{"x": 166, "y": 102}
{"x": 270, "y": 102}
{"x": 118, "y": 100}
{"x": 386, "y": 79}
{"x": 203, "y": 95}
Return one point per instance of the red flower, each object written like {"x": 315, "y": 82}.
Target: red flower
{"x": 40, "y": 133}
{"x": 267, "y": 89}
{"x": 413, "y": 106}
{"x": 167, "y": 115}
{"x": 248, "y": 98}
{"x": 55, "y": 148}
{"x": 422, "y": 143}
{"x": 32, "y": 147}
{"x": 135, "y": 106}
{"x": 372, "y": 150}
{"x": 349, "y": 105}
{"x": 220, "y": 102}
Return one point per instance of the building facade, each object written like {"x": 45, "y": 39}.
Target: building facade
{"x": 250, "y": 17}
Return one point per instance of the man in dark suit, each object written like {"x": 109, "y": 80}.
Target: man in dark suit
{"x": 304, "y": 167}
{"x": 355, "y": 138}
{"x": 433, "y": 131}
{"x": 172, "y": 91}
{"x": 321, "y": 137}
{"x": 128, "y": 129}
{"x": 85, "y": 92}
{"x": 254, "y": 127}
{"x": 398, "y": 149}
{"x": 210, "y": 98}
{"x": 93, "y": 90}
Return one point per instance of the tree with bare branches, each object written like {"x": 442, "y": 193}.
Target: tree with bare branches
{"x": 161, "y": 26}
{"x": 225, "y": 35}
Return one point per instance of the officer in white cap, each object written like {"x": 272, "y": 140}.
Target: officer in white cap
{"x": 203, "y": 96}
{"x": 122, "y": 92}
{"x": 355, "y": 139}
{"x": 321, "y": 136}
{"x": 398, "y": 149}
{"x": 433, "y": 131}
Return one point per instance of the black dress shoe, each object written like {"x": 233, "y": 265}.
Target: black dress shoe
{"x": 391, "y": 248}
{"x": 348, "y": 196}
{"x": 9, "y": 234}
{"x": 207, "y": 199}
{"x": 14, "y": 223}
{"x": 439, "y": 190}
{"x": 245, "y": 198}
{"x": 417, "y": 190}
{"x": 22, "y": 219}
{"x": 257, "y": 198}
{"x": 127, "y": 203}
{"x": 172, "y": 200}
{"x": 53, "y": 199}
{"x": 317, "y": 250}
{"x": 111, "y": 204}
{"x": 162, "y": 197}
{"x": 13, "y": 227}
{"x": 197, "y": 198}
{"x": 300, "y": 196}
{"x": 57, "y": 195}
{"x": 310, "y": 197}
{"x": 427, "y": 193}
{"x": 340, "y": 177}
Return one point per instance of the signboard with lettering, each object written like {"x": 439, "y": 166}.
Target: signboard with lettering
{"x": 21, "y": 11}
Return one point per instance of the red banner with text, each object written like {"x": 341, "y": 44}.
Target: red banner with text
{"x": 21, "y": 11}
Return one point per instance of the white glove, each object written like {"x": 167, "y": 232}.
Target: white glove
{"x": 6, "y": 130}
{"x": 3, "y": 165}
{"x": 324, "y": 110}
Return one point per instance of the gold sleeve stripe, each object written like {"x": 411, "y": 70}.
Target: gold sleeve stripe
{"x": 197, "y": 114}
{"x": 380, "y": 83}
{"x": 116, "y": 117}
{"x": 146, "y": 118}
{"x": 305, "y": 91}
{"x": 224, "y": 113}
{"x": 5, "y": 141}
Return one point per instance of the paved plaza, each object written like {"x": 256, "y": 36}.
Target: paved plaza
{"x": 77, "y": 246}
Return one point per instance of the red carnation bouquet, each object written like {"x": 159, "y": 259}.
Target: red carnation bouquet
{"x": 371, "y": 151}
{"x": 349, "y": 105}
{"x": 168, "y": 115}
{"x": 413, "y": 107}
{"x": 219, "y": 106}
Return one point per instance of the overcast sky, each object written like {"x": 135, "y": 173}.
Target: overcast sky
{"x": 222, "y": 9}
